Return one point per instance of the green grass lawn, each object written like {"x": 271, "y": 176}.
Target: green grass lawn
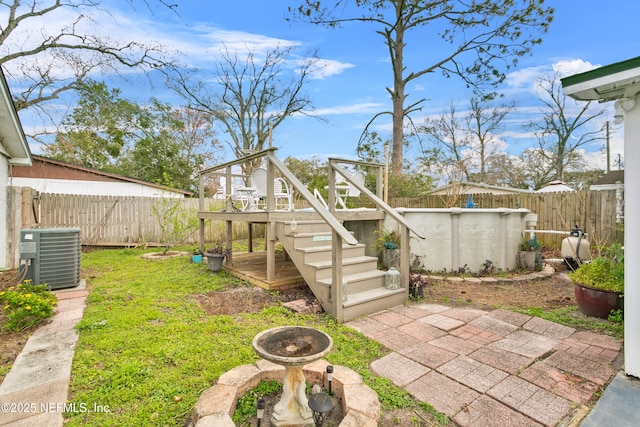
{"x": 147, "y": 350}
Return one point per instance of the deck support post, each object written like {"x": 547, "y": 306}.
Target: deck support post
{"x": 331, "y": 197}
{"x": 201, "y": 232}
{"x": 229, "y": 244}
{"x": 336, "y": 275}
{"x": 270, "y": 243}
{"x": 405, "y": 253}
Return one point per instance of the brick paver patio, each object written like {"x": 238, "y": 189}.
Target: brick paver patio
{"x": 490, "y": 368}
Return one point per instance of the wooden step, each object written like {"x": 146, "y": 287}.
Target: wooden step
{"x": 323, "y": 253}
{"x": 310, "y": 247}
{"x": 372, "y": 301}
{"x": 349, "y": 266}
{"x": 309, "y": 240}
{"x": 307, "y": 227}
{"x": 360, "y": 282}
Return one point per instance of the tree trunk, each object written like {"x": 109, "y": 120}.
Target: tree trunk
{"x": 398, "y": 95}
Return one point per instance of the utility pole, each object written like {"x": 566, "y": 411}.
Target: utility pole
{"x": 619, "y": 162}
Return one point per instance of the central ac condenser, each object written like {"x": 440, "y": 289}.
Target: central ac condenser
{"x": 51, "y": 256}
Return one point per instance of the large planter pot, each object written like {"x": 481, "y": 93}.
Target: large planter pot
{"x": 597, "y": 302}
{"x": 214, "y": 261}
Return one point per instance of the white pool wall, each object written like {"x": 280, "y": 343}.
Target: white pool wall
{"x": 458, "y": 236}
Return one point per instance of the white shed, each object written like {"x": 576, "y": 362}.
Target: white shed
{"x": 53, "y": 176}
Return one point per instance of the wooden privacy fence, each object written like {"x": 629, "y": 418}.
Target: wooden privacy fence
{"x": 125, "y": 220}
{"x": 593, "y": 211}
{"x": 130, "y": 221}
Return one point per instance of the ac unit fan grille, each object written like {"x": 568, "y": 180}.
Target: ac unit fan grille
{"x": 54, "y": 256}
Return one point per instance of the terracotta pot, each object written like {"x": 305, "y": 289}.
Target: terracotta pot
{"x": 597, "y": 302}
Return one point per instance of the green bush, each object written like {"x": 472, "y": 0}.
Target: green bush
{"x": 605, "y": 272}
{"x": 26, "y": 305}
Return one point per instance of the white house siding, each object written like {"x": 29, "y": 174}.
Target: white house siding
{"x": 97, "y": 188}
{"x": 4, "y": 172}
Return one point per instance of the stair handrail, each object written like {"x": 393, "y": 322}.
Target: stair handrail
{"x": 324, "y": 213}
{"x": 377, "y": 200}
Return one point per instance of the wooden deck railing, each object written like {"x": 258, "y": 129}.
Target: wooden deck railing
{"x": 405, "y": 227}
{"x": 339, "y": 233}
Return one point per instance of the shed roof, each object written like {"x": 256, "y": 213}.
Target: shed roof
{"x": 480, "y": 187}
{"x": 611, "y": 178}
{"x": 41, "y": 162}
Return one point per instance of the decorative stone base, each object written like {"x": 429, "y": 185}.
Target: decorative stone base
{"x": 217, "y": 404}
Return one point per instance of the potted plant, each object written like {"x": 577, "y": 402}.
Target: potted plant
{"x": 530, "y": 254}
{"x": 215, "y": 255}
{"x": 386, "y": 245}
{"x": 599, "y": 283}
{"x": 196, "y": 256}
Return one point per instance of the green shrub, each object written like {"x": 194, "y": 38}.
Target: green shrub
{"x": 26, "y": 305}
{"x": 605, "y": 272}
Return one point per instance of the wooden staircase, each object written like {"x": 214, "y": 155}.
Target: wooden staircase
{"x": 310, "y": 248}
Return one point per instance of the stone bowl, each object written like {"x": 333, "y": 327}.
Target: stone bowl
{"x": 292, "y": 345}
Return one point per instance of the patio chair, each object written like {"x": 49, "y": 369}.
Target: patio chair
{"x": 283, "y": 195}
{"x": 239, "y": 193}
{"x": 346, "y": 189}
{"x": 318, "y": 196}
{"x": 259, "y": 182}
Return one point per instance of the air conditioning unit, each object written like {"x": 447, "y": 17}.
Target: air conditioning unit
{"x": 52, "y": 256}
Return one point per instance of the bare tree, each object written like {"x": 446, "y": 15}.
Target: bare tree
{"x": 482, "y": 40}
{"x": 47, "y": 62}
{"x": 251, "y": 97}
{"x": 446, "y": 154}
{"x": 465, "y": 143}
{"x": 563, "y": 129}
{"x": 484, "y": 122}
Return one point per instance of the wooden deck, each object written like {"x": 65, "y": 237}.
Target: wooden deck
{"x": 252, "y": 267}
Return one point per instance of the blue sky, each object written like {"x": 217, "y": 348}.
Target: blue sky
{"x": 351, "y": 88}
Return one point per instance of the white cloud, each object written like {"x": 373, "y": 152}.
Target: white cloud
{"x": 526, "y": 77}
{"x": 242, "y": 42}
{"x": 572, "y": 66}
{"x": 518, "y": 135}
{"x": 365, "y": 107}
{"x": 323, "y": 68}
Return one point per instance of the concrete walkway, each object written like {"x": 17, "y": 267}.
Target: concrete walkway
{"x": 493, "y": 368}
{"x": 34, "y": 392}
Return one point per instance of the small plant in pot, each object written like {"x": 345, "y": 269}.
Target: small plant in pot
{"x": 386, "y": 245}
{"x": 215, "y": 255}
{"x": 530, "y": 254}
{"x": 599, "y": 284}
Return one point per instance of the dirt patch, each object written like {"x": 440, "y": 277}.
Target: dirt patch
{"x": 162, "y": 255}
{"x": 250, "y": 300}
{"x": 551, "y": 293}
